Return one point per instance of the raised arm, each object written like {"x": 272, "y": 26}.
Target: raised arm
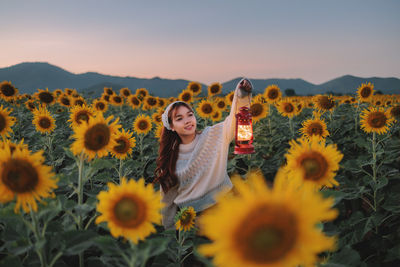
{"x": 241, "y": 97}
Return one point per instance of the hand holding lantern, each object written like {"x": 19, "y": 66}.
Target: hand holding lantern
{"x": 244, "y": 132}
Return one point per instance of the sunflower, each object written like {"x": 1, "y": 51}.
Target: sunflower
{"x": 229, "y": 98}
{"x": 134, "y": 101}
{"x": 156, "y": 117}
{"x": 220, "y": 103}
{"x": 142, "y": 124}
{"x": 79, "y": 114}
{"x": 106, "y": 98}
{"x": 80, "y": 101}
{"x": 184, "y": 219}
{"x": 58, "y": 92}
{"x": 161, "y": 102}
{"x": 395, "y": 112}
{"x": 260, "y": 226}
{"x": 377, "y": 101}
{"x": 69, "y": 91}
{"x": 205, "y": 109}
{"x": 214, "y": 89}
{"x": 365, "y": 92}
{"x": 312, "y": 162}
{"x": 100, "y": 105}
{"x": 13, "y": 146}
{"x": 149, "y": 102}
{"x": 116, "y": 100}
{"x": 376, "y": 120}
{"x": 125, "y": 92}
{"x": 158, "y": 131}
{"x": 45, "y": 97}
{"x": 125, "y": 143}
{"x": 6, "y": 122}
{"x": 186, "y": 96}
{"x": 195, "y": 87}
{"x": 314, "y": 127}
{"x": 130, "y": 209}
{"x": 64, "y": 100}
{"x": 324, "y": 103}
{"x": 108, "y": 91}
{"x": 141, "y": 93}
{"x": 43, "y": 120}
{"x": 95, "y": 137}
{"x": 216, "y": 116}
{"x": 22, "y": 175}
{"x": 258, "y": 111}
{"x": 287, "y": 108}
{"x": 7, "y": 91}
{"x": 272, "y": 94}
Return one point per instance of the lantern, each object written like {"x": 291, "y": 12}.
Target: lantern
{"x": 244, "y": 132}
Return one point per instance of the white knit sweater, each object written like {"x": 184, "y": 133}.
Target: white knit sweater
{"x": 201, "y": 167}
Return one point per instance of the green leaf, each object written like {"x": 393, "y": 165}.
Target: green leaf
{"x": 77, "y": 241}
{"x": 107, "y": 245}
{"x": 346, "y": 256}
{"x": 11, "y": 261}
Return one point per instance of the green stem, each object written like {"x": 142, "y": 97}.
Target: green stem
{"x": 80, "y": 200}
{"x": 40, "y": 252}
{"x": 374, "y": 166}
{"x": 269, "y": 118}
{"x": 120, "y": 170}
{"x": 291, "y": 126}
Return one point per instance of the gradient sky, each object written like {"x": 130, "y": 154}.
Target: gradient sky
{"x": 205, "y": 40}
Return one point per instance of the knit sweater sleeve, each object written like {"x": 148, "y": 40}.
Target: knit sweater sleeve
{"x": 170, "y": 208}
{"x": 240, "y": 99}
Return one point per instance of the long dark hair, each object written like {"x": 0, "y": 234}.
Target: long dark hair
{"x": 168, "y": 153}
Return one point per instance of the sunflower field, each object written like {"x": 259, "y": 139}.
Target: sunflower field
{"x": 77, "y": 181}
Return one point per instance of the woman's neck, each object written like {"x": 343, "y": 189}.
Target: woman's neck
{"x": 187, "y": 139}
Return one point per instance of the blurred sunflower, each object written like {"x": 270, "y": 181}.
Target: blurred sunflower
{"x": 216, "y": 116}
{"x": 220, "y": 103}
{"x": 314, "y": 127}
{"x": 229, "y": 98}
{"x": 161, "y": 102}
{"x": 141, "y": 93}
{"x": 214, "y": 89}
{"x": 80, "y": 114}
{"x": 7, "y": 91}
{"x": 258, "y": 111}
{"x": 272, "y": 94}
{"x": 149, "y": 102}
{"x": 260, "y": 226}
{"x": 395, "y": 112}
{"x": 13, "y": 146}
{"x": 6, "y": 122}
{"x": 125, "y": 92}
{"x": 184, "y": 219}
{"x": 377, "y": 101}
{"x": 134, "y": 101}
{"x": 195, "y": 87}
{"x": 43, "y": 120}
{"x": 287, "y": 108}
{"x": 108, "y": 91}
{"x": 130, "y": 209}
{"x": 22, "y": 175}
{"x": 95, "y": 138}
{"x": 158, "y": 131}
{"x": 310, "y": 161}
{"x": 205, "y": 109}
{"x": 156, "y": 116}
{"x": 142, "y": 124}
{"x": 125, "y": 143}
{"x": 100, "y": 105}
{"x": 45, "y": 97}
{"x": 324, "y": 102}
{"x": 58, "y": 92}
{"x": 80, "y": 101}
{"x": 365, "y": 92}
{"x": 186, "y": 96}
{"x": 106, "y": 98}
{"x": 30, "y": 104}
{"x": 116, "y": 100}
{"x": 375, "y": 120}
{"x": 64, "y": 100}
{"x": 69, "y": 91}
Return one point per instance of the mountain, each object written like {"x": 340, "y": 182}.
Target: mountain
{"x": 28, "y": 77}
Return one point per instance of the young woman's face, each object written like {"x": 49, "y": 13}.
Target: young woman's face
{"x": 183, "y": 122}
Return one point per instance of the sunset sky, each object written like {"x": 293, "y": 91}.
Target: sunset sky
{"x": 206, "y": 41}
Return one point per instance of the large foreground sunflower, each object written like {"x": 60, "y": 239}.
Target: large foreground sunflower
{"x": 313, "y": 162}
{"x": 95, "y": 138}
{"x": 142, "y": 124}
{"x": 376, "y": 120}
{"x": 6, "y": 121}
{"x": 125, "y": 143}
{"x": 130, "y": 209}
{"x": 43, "y": 120}
{"x": 259, "y": 226}
{"x": 22, "y": 175}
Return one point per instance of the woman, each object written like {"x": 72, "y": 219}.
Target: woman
{"x": 191, "y": 166}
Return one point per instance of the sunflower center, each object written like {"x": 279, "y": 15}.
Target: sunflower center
{"x": 117, "y": 99}
{"x": 100, "y": 106}
{"x": 97, "y": 137}
{"x": 395, "y": 111}
{"x": 135, "y": 101}
{"x": 82, "y": 116}
{"x": 206, "y": 108}
{"x": 267, "y": 234}
{"x": 195, "y": 88}
{"x": 314, "y": 165}
{"x": 256, "y": 109}
{"x": 315, "y": 128}
{"x": 143, "y": 125}
{"x": 152, "y": 101}
{"x": 157, "y": 118}
{"x": 106, "y": 98}
{"x": 288, "y": 108}
{"x": 126, "y": 93}
{"x": 2, "y": 122}
{"x": 109, "y": 92}
{"x": 44, "y": 123}
{"x": 272, "y": 94}
{"x": 129, "y": 211}
{"x": 19, "y": 176}
{"x": 65, "y": 101}
{"x": 377, "y": 119}
{"x": 214, "y": 89}
{"x": 79, "y": 102}
{"x": 186, "y": 218}
{"x": 186, "y": 97}
{"x": 221, "y": 104}
{"x": 8, "y": 90}
{"x": 122, "y": 146}
{"x": 31, "y": 106}
{"x": 326, "y": 103}
{"x": 46, "y": 97}
{"x": 366, "y": 92}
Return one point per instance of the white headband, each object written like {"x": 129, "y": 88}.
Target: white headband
{"x": 164, "y": 116}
